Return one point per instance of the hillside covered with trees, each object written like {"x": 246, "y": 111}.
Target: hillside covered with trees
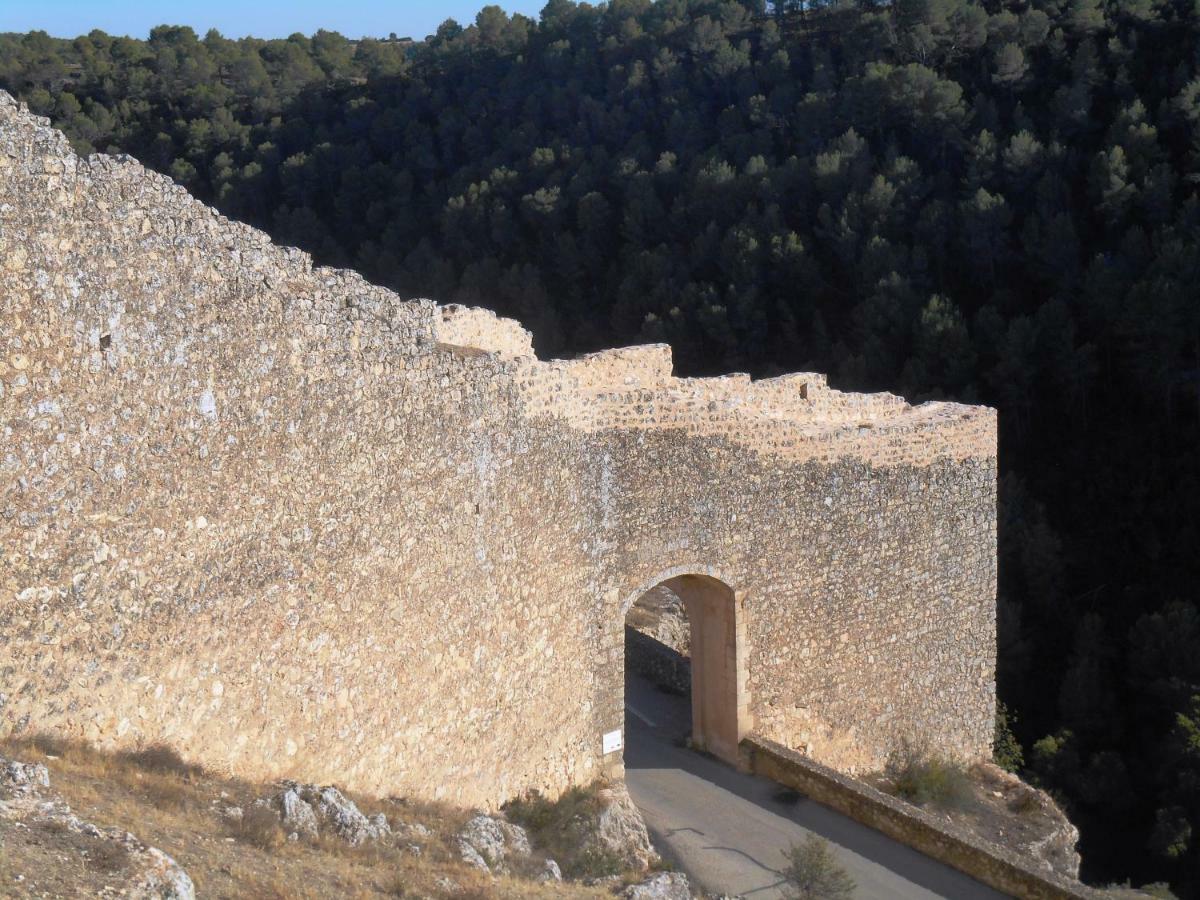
{"x": 988, "y": 200}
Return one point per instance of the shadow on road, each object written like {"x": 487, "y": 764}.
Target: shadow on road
{"x": 724, "y": 808}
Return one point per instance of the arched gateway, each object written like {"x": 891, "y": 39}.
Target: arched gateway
{"x": 294, "y": 526}
{"x": 716, "y": 660}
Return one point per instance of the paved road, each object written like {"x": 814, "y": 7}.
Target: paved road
{"x": 727, "y": 830}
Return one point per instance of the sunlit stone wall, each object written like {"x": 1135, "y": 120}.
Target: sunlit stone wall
{"x": 293, "y": 526}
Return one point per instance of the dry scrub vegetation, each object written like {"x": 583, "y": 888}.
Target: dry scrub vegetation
{"x": 554, "y": 826}
{"x": 178, "y": 808}
{"x": 988, "y": 802}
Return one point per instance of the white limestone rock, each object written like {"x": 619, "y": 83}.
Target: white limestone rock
{"x": 338, "y": 812}
{"x": 162, "y": 879}
{"x": 25, "y": 777}
{"x": 379, "y": 822}
{"x": 620, "y": 829}
{"x": 663, "y": 886}
{"x": 296, "y": 815}
{"x": 472, "y": 857}
{"x": 232, "y": 814}
{"x": 492, "y": 841}
{"x": 305, "y": 809}
{"x": 412, "y": 830}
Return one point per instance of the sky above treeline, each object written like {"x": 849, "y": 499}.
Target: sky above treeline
{"x": 239, "y": 18}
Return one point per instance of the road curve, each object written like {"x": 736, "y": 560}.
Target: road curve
{"x": 728, "y": 830}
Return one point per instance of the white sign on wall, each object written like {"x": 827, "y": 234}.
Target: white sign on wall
{"x": 612, "y": 741}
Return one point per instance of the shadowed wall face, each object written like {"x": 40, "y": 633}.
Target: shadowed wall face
{"x": 296, "y": 527}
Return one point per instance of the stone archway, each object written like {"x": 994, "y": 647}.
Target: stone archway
{"x": 719, "y": 686}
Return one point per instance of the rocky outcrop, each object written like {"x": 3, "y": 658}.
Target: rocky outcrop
{"x": 26, "y": 802}
{"x": 663, "y": 886}
{"x": 550, "y": 871}
{"x": 162, "y": 878}
{"x": 620, "y": 830}
{"x": 308, "y": 811}
{"x": 22, "y": 779}
{"x": 297, "y": 816}
{"x": 1044, "y": 834}
{"x": 492, "y": 844}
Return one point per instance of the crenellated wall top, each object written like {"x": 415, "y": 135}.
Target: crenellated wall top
{"x": 795, "y": 416}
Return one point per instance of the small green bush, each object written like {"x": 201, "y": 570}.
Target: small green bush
{"x": 594, "y": 862}
{"x": 1025, "y": 803}
{"x": 1006, "y": 749}
{"x": 813, "y": 872}
{"x": 560, "y": 829}
{"x": 160, "y": 759}
{"x": 541, "y": 817}
{"x": 927, "y": 780}
{"x": 108, "y": 856}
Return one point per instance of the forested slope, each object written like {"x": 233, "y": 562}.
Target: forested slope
{"x": 989, "y": 201}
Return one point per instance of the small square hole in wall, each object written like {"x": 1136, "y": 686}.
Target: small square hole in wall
{"x": 105, "y": 341}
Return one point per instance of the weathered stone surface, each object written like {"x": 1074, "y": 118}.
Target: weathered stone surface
{"x": 309, "y": 810}
{"x": 162, "y": 879}
{"x": 343, "y": 817}
{"x": 1050, "y": 839}
{"x": 659, "y": 613}
{"x": 550, "y": 872}
{"x": 663, "y": 886}
{"x": 296, "y": 814}
{"x": 473, "y": 857}
{"x": 296, "y": 527}
{"x": 379, "y": 824}
{"x": 414, "y": 830}
{"x": 490, "y": 843}
{"x": 25, "y": 777}
{"x": 1058, "y": 849}
{"x": 621, "y": 830}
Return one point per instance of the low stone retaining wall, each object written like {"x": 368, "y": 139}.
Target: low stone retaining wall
{"x": 993, "y": 865}
{"x": 657, "y": 662}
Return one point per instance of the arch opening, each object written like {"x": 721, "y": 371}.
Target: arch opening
{"x": 685, "y": 636}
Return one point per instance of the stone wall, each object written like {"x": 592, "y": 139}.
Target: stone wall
{"x": 294, "y": 526}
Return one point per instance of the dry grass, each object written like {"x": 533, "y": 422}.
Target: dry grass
{"x": 988, "y": 802}
{"x": 1025, "y": 803}
{"x": 925, "y": 779}
{"x": 259, "y": 827}
{"x": 176, "y": 806}
{"x": 271, "y": 888}
{"x": 156, "y": 771}
{"x": 108, "y": 856}
{"x": 160, "y": 760}
{"x": 53, "y": 826}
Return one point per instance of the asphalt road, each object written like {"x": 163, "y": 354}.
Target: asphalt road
{"x": 727, "y": 830}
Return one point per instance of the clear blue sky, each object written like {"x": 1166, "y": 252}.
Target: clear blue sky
{"x": 237, "y": 18}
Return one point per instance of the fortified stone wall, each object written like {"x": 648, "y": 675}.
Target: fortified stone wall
{"x": 294, "y": 526}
